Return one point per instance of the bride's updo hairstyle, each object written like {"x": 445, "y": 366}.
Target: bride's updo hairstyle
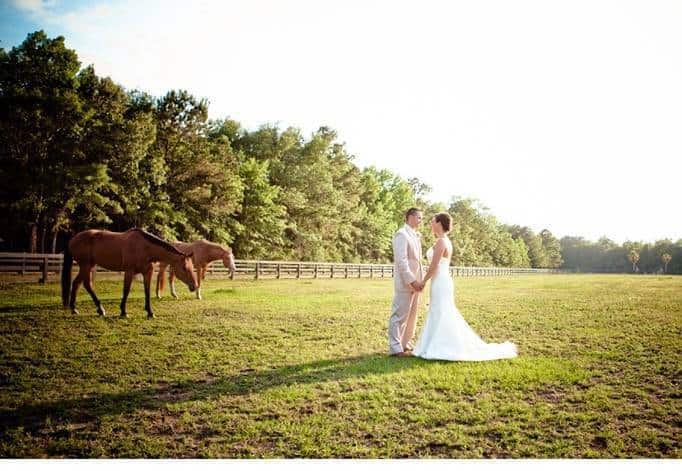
{"x": 445, "y": 221}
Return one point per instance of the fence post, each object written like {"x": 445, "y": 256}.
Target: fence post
{"x": 371, "y": 271}
{"x": 298, "y": 270}
{"x": 345, "y": 271}
{"x": 359, "y": 271}
{"x": 257, "y": 269}
{"x": 43, "y": 280}
{"x": 278, "y": 271}
{"x": 382, "y": 271}
{"x": 332, "y": 272}
{"x": 315, "y": 272}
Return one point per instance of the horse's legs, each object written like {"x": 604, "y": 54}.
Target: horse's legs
{"x": 127, "y": 281}
{"x": 200, "y": 270}
{"x": 74, "y": 287}
{"x": 147, "y": 288}
{"x": 171, "y": 282}
{"x": 87, "y": 282}
{"x": 160, "y": 279}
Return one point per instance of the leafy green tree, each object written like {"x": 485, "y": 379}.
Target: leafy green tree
{"x": 202, "y": 181}
{"x": 261, "y": 216}
{"x": 478, "y": 239}
{"x": 551, "y": 248}
{"x": 140, "y": 172}
{"x": 39, "y": 121}
{"x": 54, "y": 157}
{"x": 384, "y": 198}
{"x": 116, "y": 138}
{"x": 535, "y": 249}
{"x": 633, "y": 257}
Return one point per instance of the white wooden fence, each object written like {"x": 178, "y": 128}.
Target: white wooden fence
{"x": 48, "y": 264}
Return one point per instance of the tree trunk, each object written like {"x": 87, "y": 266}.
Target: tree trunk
{"x": 43, "y": 236}
{"x": 54, "y": 241}
{"x": 33, "y": 238}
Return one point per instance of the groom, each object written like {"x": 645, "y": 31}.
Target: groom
{"x": 407, "y": 276}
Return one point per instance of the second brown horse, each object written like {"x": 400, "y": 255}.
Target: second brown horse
{"x": 204, "y": 252}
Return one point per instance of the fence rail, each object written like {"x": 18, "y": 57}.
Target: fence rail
{"x": 47, "y": 264}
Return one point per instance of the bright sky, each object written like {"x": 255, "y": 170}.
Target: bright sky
{"x": 558, "y": 115}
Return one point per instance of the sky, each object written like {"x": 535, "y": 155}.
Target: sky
{"x": 557, "y": 115}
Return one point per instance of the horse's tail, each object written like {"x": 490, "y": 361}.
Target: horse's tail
{"x": 66, "y": 274}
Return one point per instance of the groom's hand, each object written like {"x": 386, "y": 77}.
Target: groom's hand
{"x": 417, "y": 286}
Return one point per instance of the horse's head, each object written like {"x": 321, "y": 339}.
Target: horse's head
{"x": 184, "y": 269}
{"x": 228, "y": 260}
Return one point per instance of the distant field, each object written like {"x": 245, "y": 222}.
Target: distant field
{"x": 299, "y": 369}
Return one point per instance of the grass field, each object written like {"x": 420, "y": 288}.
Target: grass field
{"x": 299, "y": 369}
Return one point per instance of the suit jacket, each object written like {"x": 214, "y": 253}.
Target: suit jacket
{"x": 407, "y": 258}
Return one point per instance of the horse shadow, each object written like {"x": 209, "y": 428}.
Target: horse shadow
{"x": 33, "y": 417}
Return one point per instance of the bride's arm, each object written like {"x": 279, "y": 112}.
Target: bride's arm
{"x": 438, "y": 251}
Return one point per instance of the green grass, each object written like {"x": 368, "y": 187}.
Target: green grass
{"x": 299, "y": 369}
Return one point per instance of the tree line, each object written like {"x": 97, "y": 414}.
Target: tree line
{"x": 80, "y": 151}
{"x": 605, "y": 256}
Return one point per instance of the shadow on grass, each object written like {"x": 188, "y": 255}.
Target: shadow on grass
{"x": 33, "y": 417}
{"x": 31, "y": 308}
{"x": 85, "y": 305}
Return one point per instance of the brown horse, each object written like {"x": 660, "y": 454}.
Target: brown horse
{"x": 133, "y": 251}
{"x": 204, "y": 252}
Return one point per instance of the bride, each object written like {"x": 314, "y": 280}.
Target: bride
{"x": 446, "y": 335}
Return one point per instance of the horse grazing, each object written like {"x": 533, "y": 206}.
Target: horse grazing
{"x": 204, "y": 252}
{"x": 133, "y": 251}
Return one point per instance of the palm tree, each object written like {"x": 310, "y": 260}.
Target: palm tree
{"x": 665, "y": 258}
{"x": 633, "y": 256}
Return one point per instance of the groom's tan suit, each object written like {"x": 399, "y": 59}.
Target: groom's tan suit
{"x": 407, "y": 267}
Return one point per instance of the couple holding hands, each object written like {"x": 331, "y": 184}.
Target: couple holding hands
{"x": 445, "y": 335}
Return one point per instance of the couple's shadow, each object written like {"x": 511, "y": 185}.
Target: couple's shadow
{"x": 33, "y": 417}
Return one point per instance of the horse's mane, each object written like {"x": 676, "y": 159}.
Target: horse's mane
{"x": 158, "y": 241}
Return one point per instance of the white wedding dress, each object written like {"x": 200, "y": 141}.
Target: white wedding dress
{"x": 446, "y": 335}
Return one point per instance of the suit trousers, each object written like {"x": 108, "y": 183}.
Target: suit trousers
{"x": 403, "y": 320}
